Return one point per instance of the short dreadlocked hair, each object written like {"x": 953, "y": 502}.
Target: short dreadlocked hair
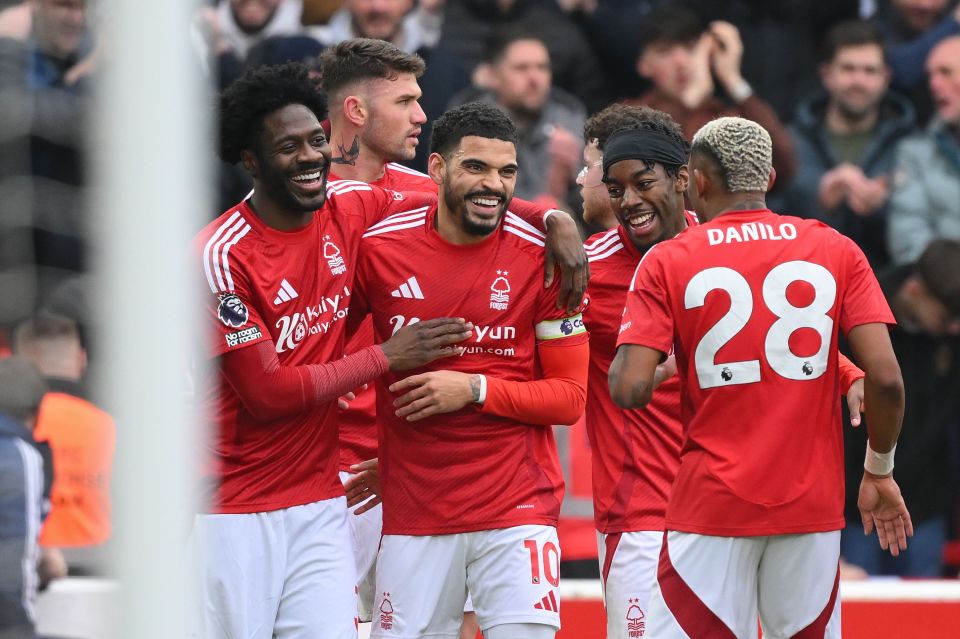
{"x": 472, "y": 118}
{"x": 741, "y": 149}
{"x": 255, "y": 95}
{"x": 359, "y": 59}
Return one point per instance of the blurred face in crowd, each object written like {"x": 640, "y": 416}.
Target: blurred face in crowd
{"x": 943, "y": 68}
{"x": 293, "y": 160}
{"x": 647, "y": 201}
{"x": 521, "y": 78}
{"x": 60, "y": 26}
{"x": 596, "y": 202}
{"x": 920, "y": 15}
{"x": 378, "y": 19}
{"x": 253, "y": 15}
{"x": 668, "y": 65}
{"x": 926, "y": 312}
{"x": 477, "y": 182}
{"x": 394, "y": 118}
{"x": 856, "y": 80}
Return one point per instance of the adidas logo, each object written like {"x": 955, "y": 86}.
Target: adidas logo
{"x": 409, "y": 290}
{"x": 285, "y": 294}
{"x": 549, "y": 602}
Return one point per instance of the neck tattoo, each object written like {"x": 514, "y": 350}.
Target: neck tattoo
{"x": 348, "y": 156}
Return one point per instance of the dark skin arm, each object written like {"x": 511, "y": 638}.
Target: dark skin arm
{"x": 880, "y": 502}
{"x": 633, "y": 375}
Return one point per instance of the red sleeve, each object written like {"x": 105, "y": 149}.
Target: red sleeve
{"x": 373, "y": 203}
{"x": 272, "y": 391}
{"x": 558, "y": 398}
{"x": 647, "y": 320}
{"x": 849, "y": 373}
{"x": 863, "y": 300}
{"x": 530, "y": 212}
{"x": 235, "y": 322}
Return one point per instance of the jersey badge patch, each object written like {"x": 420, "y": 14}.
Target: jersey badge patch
{"x": 331, "y": 253}
{"x": 244, "y": 336}
{"x": 232, "y": 311}
{"x": 500, "y": 289}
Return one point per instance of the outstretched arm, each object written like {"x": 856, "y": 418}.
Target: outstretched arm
{"x": 270, "y": 390}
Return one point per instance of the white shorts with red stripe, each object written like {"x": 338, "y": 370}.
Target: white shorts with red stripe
{"x": 513, "y": 575}
{"x": 365, "y": 530}
{"x": 628, "y": 567}
{"x": 716, "y": 587}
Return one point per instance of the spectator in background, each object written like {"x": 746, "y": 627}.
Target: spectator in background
{"x": 469, "y": 24}
{"x": 911, "y": 29}
{"x": 395, "y": 21}
{"x": 412, "y": 30}
{"x": 925, "y": 203}
{"x": 82, "y": 438}
{"x": 845, "y": 139}
{"x": 47, "y": 58}
{"x": 519, "y": 80}
{"x": 21, "y": 496}
{"x": 782, "y": 41}
{"x": 925, "y": 299}
{"x": 224, "y": 34}
{"x": 685, "y": 61}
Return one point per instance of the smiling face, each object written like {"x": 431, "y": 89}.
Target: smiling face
{"x": 477, "y": 183}
{"x": 646, "y": 200}
{"x": 291, "y": 165}
{"x": 392, "y": 131}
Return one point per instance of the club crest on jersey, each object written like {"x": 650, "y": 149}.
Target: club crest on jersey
{"x": 636, "y": 627}
{"x": 331, "y": 253}
{"x": 232, "y": 311}
{"x": 500, "y": 289}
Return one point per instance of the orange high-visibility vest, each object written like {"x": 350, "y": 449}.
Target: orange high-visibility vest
{"x": 82, "y": 438}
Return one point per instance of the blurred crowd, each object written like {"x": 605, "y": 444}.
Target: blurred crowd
{"x": 861, "y": 98}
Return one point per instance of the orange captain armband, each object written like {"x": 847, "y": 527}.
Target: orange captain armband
{"x": 849, "y": 373}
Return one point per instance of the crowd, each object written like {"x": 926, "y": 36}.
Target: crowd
{"x": 599, "y": 101}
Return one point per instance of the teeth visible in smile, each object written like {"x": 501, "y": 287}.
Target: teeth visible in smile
{"x": 307, "y": 177}
{"x": 485, "y": 201}
{"x": 640, "y": 220}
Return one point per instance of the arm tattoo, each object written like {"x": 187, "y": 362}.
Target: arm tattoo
{"x": 348, "y": 156}
{"x": 475, "y": 387}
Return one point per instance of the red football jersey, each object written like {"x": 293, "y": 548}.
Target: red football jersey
{"x": 467, "y": 470}
{"x": 635, "y": 453}
{"x": 752, "y": 302}
{"x": 358, "y": 429}
{"x": 292, "y": 288}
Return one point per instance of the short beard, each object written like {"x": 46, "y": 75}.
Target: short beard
{"x": 458, "y": 206}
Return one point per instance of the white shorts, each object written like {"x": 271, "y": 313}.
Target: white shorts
{"x": 285, "y": 573}
{"x": 628, "y": 568}
{"x": 716, "y": 586}
{"x": 365, "y": 530}
{"x": 422, "y": 581}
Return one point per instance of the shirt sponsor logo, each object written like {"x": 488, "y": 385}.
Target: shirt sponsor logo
{"x": 313, "y": 320}
{"x": 495, "y": 332}
{"x": 331, "y": 253}
{"x": 244, "y": 336}
{"x": 500, "y": 289}
{"x": 232, "y": 311}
